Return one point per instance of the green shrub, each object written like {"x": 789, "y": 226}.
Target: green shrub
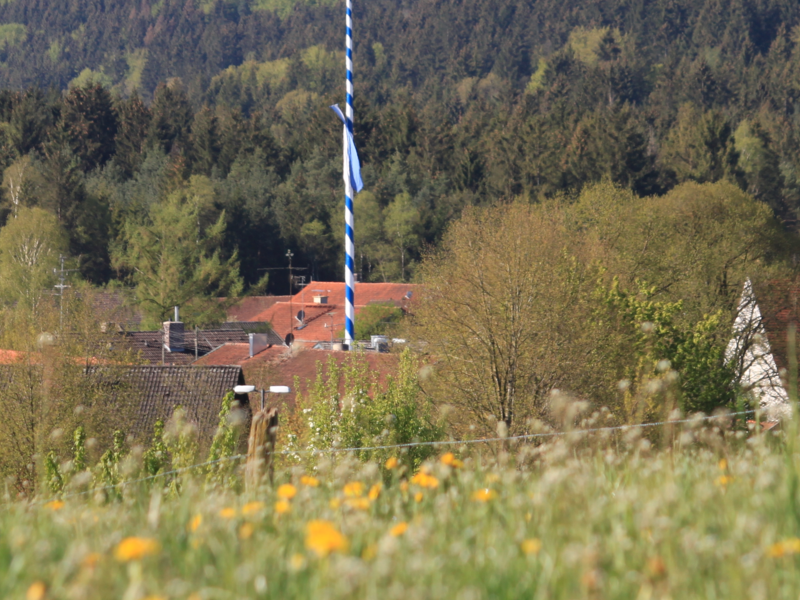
{"x": 363, "y": 416}
{"x": 224, "y": 446}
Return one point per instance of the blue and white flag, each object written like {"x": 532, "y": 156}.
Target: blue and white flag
{"x": 351, "y": 163}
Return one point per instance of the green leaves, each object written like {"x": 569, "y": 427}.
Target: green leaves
{"x": 654, "y": 333}
{"x": 174, "y": 257}
{"x": 30, "y": 245}
{"x": 222, "y": 473}
{"x": 346, "y": 409}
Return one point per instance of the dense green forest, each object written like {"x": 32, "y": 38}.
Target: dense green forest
{"x": 142, "y": 125}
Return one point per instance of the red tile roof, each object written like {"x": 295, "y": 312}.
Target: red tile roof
{"x": 321, "y": 318}
{"x": 239, "y": 354}
{"x": 281, "y": 368}
{"x": 280, "y": 365}
{"x": 12, "y": 357}
{"x": 247, "y": 308}
{"x": 779, "y": 302}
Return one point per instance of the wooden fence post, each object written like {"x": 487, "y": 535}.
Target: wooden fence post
{"x": 261, "y": 447}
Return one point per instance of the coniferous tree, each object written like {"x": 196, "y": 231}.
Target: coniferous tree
{"x": 205, "y": 141}
{"x": 90, "y": 123}
{"x": 29, "y": 120}
{"x": 130, "y": 140}
{"x": 171, "y": 119}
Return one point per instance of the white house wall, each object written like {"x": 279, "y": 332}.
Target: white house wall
{"x": 749, "y": 348}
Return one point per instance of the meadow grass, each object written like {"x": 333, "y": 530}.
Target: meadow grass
{"x": 712, "y": 516}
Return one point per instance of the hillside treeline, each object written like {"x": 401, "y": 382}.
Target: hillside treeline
{"x": 120, "y": 119}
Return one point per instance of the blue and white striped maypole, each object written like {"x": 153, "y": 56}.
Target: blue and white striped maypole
{"x": 352, "y": 182}
{"x": 349, "y": 240}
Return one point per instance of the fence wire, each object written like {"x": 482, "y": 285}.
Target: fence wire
{"x": 530, "y": 436}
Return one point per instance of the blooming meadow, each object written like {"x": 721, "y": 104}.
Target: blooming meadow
{"x": 714, "y": 516}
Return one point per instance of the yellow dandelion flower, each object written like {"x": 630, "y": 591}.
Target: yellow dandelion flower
{"x": 309, "y": 481}
{"x": 36, "y": 591}
{"x": 723, "y": 464}
{"x": 450, "y": 460}
{"x": 323, "y": 538}
{"x": 297, "y": 562}
{"x": 358, "y": 503}
{"x": 287, "y": 491}
{"x": 354, "y": 489}
{"x": 788, "y": 546}
{"x": 375, "y": 491}
{"x": 246, "y": 531}
{"x": 55, "y": 505}
{"x": 228, "y": 513}
{"x": 391, "y": 463}
{"x": 656, "y": 567}
{"x": 252, "y": 508}
{"x": 418, "y": 497}
{"x": 282, "y": 507}
{"x": 335, "y": 503}
{"x": 136, "y": 548}
{"x": 531, "y": 546}
{"x": 723, "y": 480}
{"x": 484, "y": 495}
{"x": 398, "y": 529}
{"x": 422, "y": 479}
{"x": 195, "y": 523}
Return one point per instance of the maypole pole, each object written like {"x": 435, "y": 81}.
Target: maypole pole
{"x": 352, "y": 183}
{"x": 349, "y": 240}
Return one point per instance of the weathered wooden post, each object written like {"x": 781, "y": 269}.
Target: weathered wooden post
{"x": 261, "y": 447}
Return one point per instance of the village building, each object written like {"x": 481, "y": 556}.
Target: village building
{"x": 157, "y": 391}
{"x": 315, "y": 315}
{"x": 297, "y": 367}
{"x": 759, "y": 348}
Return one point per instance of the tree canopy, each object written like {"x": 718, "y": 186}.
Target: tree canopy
{"x": 623, "y": 300}
{"x": 110, "y": 109}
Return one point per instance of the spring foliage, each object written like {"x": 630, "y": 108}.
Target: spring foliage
{"x": 625, "y": 301}
{"x": 225, "y": 445}
{"x": 345, "y": 409}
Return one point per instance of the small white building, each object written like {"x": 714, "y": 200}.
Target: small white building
{"x": 758, "y": 349}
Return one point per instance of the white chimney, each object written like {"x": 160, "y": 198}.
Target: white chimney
{"x": 258, "y": 342}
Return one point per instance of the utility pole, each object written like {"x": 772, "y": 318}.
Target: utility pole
{"x": 289, "y": 255}
{"x": 61, "y": 286}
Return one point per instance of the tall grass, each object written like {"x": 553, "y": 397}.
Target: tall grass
{"x": 709, "y": 518}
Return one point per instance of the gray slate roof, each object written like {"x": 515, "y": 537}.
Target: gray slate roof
{"x": 159, "y": 390}
{"x": 148, "y": 343}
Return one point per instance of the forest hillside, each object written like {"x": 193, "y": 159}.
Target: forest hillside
{"x": 212, "y": 116}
